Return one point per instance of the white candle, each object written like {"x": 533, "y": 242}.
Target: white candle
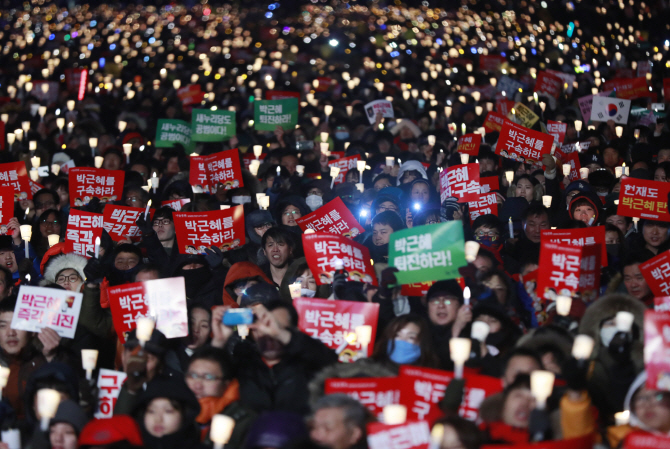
{"x": 546, "y": 200}
{"x": 566, "y": 169}
{"x": 510, "y": 227}
{"x": 471, "y": 250}
{"x": 53, "y": 239}
{"x": 154, "y": 182}
{"x": 459, "y": 350}
{"x": 584, "y": 173}
{"x": 221, "y": 429}
{"x": 364, "y": 337}
{"x": 97, "y": 247}
{"x": 146, "y": 211}
{"x": 509, "y": 176}
{"x": 394, "y": 414}
{"x": 618, "y": 171}
{"x": 480, "y": 330}
{"x": 624, "y": 321}
{"x": 144, "y": 329}
{"x": 563, "y": 305}
{"x": 635, "y": 220}
{"x": 582, "y": 347}
{"x": 294, "y": 289}
{"x": 622, "y": 418}
{"x": 466, "y": 296}
{"x": 89, "y": 358}
{"x": 47, "y": 404}
{"x": 26, "y": 233}
{"x": 541, "y": 385}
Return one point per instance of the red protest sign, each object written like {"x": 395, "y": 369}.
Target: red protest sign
{"x": 488, "y": 184}
{"x": 332, "y": 321}
{"x": 469, "y": 144}
{"x": 548, "y": 84}
{"x": 628, "y": 88}
{"x": 6, "y": 207}
{"x": 417, "y": 289}
{"x": 82, "y": 230}
{"x": 199, "y": 230}
{"x": 421, "y": 390}
{"x": 109, "y": 386}
{"x": 522, "y": 144}
{"x": 373, "y": 392}
{"x": 15, "y": 175}
{"x": 640, "y": 439}
{"x": 560, "y": 270}
{"x": 656, "y": 271}
{"x": 191, "y": 94}
{"x": 494, "y": 121}
{"x": 324, "y": 83}
{"x": 344, "y": 164}
{"x": 644, "y": 199}
{"x": 662, "y": 303}
{"x": 333, "y": 218}
{"x": 461, "y": 182}
{"x": 589, "y": 278}
{"x": 487, "y": 204}
{"x": 656, "y": 349}
{"x": 131, "y": 301}
{"x": 218, "y": 169}
{"x": 490, "y": 63}
{"x": 409, "y": 435}
{"x": 585, "y": 442}
{"x": 578, "y": 237}
{"x": 558, "y": 130}
{"x": 573, "y": 160}
{"x": 322, "y": 250}
{"x": 87, "y": 183}
{"x": 281, "y": 94}
{"x": 175, "y": 205}
{"x": 119, "y": 222}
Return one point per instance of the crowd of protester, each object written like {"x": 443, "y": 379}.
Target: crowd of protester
{"x": 426, "y": 59}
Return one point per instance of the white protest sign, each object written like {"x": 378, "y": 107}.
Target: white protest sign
{"x": 383, "y": 107}
{"x": 109, "y": 387}
{"x": 40, "y": 307}
{"x": 608, "y": 108}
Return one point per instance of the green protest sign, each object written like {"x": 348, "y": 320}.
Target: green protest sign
{"x": 169, "y": 132}
{"x": 428, "y": 253}
{"x": 212, "y": 126}
{"x": 268, "y": 114}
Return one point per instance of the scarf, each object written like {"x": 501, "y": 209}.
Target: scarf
{"x": 499, "y": 431}
{"x": 210, "y": 406}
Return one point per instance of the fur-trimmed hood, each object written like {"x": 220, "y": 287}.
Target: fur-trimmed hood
{"x": 59, "y": 263}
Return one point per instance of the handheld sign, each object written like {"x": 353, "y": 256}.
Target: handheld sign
{"x": 87, "y": 183}
{"x": 656, "y": 347}
{"x": 6, "y": 208}
{"x": 170, "y": 132}
{"x": 461, "y": 182}
{"x": 219, "y": 169}
{"x": 119, "y": 222}
{"x": 109, "y": 387}
{"x": 344, "y": 164}
{"x": 644, "y": 199}
{"x": 322, "y": 250}
{"x": 469, "y": 144}
{"x": 548, "y": 84}
{"x": 268, "y": 114}
{"x": 40, "y": 307}
{"x": 197, "y": 231}
{"x": 212, "y": 126}
{"x": 428, "y": 253}
{"x": 15, "y": 175}
{"x": 523, "y": 144}
{"x": 82, "y": 230}
{"x": 656, "y": 271}
{"x": 604, "y": 109}
{"x": 333, "y": 217}
{"x": 409, "y": 435}
{"x": 373, "y": 392}
{"x": 383, "y": 107}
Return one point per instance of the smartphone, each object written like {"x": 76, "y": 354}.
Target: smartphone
{"x": 235, "y": 317}
{"x": 304, "y": 145}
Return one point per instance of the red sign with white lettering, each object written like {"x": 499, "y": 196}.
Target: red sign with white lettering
{"x": 87, "y": 183}
{"x": 644, "y": 199}
{"x": 461, "y": 182}
{"x": 197, "y": 231}
{"x": 522, "y": 144}
{"x": 119, "y": 222}
{"x": 322, "y": 250}
{"x": 656, "y": 271}
{"x": 219, "y": 169}
{"x": 469, "y": 144}
{"x": 333, "y": 217}
{"x": 548, "y": 84}
{"x": 373, "y": 392}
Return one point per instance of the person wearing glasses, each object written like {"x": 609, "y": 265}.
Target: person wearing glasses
{"x": 135, "y": 196}
{"x": 66, "y": 270}
{"x": 159, "y": 239}
{"x": 210, "y": 377}
{"x": 289, "y": 210}
{"x": 49, "y": 223}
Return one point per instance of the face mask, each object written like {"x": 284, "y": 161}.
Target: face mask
{"x": 195, "y": 279}
{"x": 607, "y": 334}
{"x": 613, "y": 249}
{"x": 307, "y": 293}
{"x": 341, "y": 135}
{"x": 314, "y": 201}
{"x": 241, "y": 199}
{"x": 488, "y": 241}
{"x": 403, "y": 352}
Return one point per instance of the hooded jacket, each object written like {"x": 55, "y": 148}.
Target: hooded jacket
{"x": 593, "y": 199}
{"x": 322, "y": 291}
{"x": 203, "y": 285}
{"x": 188, "y": 434}
{"x": 238, "y": 272}
{"x": 49, "y": 373}
{"x": 409, "y": 166}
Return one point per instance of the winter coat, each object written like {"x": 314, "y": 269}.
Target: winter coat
{"x": 239, "y": 271}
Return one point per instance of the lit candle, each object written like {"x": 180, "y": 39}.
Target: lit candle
{"x": 622, "y": 418}
{"x": 98, "y": 161}
{"x": 618, "y": 171}
{"x": 97, "y": 247}
{"x": 361, "y": 168}
{"x": 4, "y": 377}
{"x": 480, "y": 330}
{"x": 389, "y": 161}
{"x": 146, "y": 211}
{"x": 144, "y": 327}
{"x": 242, "y": 331}
{"x": 258, "y": 150}
{"x": 300, "y": 169}
{"x": 55, "y": 169}
{"x": 459, "y": 349}
{"x": 89, "y": 358}
{"x": 510, "y": 227}
{"x": 394, "y": 414}
{"x": 563, "y": 305}
{"x": 509, "y": 176}
{"x": 334, "y": 173}
{"x": 466, "y": 296}
{"x": 635, "y": 220}
{"x": 26, "y": 233}
{"x": 364, "y": 337}
{"x": 53, "y": 239}
{"x": 546, "y": 200}
{"x": 624, "y": 321}
{"x": 154, "y": 182}
{"x": 47, "y": 404}
{"x": 566, "y": 169}
{"x": 221, "y": 429}
{"x": 465, "y": 159}
{"x": 541, "y": 385}
{"x": 471, "y": 250}
{"x": 294, "y": 289}
{"x": 584, "y": 173}
{"x": 582, "y": 347}
{"x": 127, "y": 149}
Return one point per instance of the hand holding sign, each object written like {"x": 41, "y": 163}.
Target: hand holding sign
{"x": 50, "y": 341}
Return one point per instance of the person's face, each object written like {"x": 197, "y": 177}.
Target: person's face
{"x": 172, "y": 167}
{"x": 64, "y": 196}
{"x": 134, "y": 199}
{"x": 634, "y": 281}
{"x": 408, "y": 177}
{"x": 663, "y": 156}
{"x": 610, "y": 157}
{"x": 442, "y": 309}
{"x": 50, "y": 225}
{"x": 11, "y": 341}
{"x": 290, "y": 162}
{"x": 126, "y": 261}
{"x": 409, "y": 333}
{"x": 290, "y": 215}
{"x": 306, "y": 280}
{"x": 612, "y": 238}
{"x": 534, "y": 225}
{"x": 524, "y": 189}
{"x": 44, "y": 202}
{"x": 8, "y": 259}
{"x": 484, "y": 231}
{"x": 161, "y": 418}
{"x": 450, "y": 439}
{"x": 381, "y": 234}
{"x": 205, "y": 379}
{"x": 329, "y": 429}
{"x": 520, "y": 364}
{"x": 148, "y": 275}
{"x": 70, "y": 280}
{"x": 653, "y": 234}
{"x": 164, "y": 229}
{"x": 652, "y": 407}
{"x": 112, "y": 162}
{"x": 420, "y": 193}
{"x": 493, "y": 322}
{"x": 200, "y": 326}
{"x": 386, "y": 205}
{"x": 517, "y": 407}
{"x": 62, "y": 436}
{"x": 260, "y": 230}
{"x": 142, "y": 170}
{"x": 584, "y": 213}
{"x": 619, "y": 222}
{"x": 659, "y": 175}
{"x": 498, "y": 287}
{"x": 381, "y": 183}
{"x": 277, "y": 253}
{"x": 483, "y": 264}
{"x": 486, "y": 165}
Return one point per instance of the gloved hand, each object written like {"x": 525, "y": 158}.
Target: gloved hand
{"x": 94, "y": 270}
{"x": 453, "y": 396}
{"x": 339, "y": 283}
{"x": 387, "y": 282}
{"x": 136, "y": 369}
{"x": 213, "y": 256}
{"x": 575, "y": 373}
{"x": 621, "y": 346}
{"x": 93, "y": 205}
{"x": 539, "y": 425}
{"x": 144, "y": 226}
{"x": 24, "y": 267}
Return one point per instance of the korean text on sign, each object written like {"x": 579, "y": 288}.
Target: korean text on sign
{"x": 119, "y": 222}
{"x": 197, "y": 231}
{"x": 656, "y": 272}
{"x": 217, "y": 170}
{"x": 82, "y": 230}
{"x": 15, "y": 175}
{"x": 88, "y": 183}
{"x": 523, "y": 144}
{"x": 644, "y": 199}
{"x": 40, "y": 307}
{"x": 109, "y": 387}
{"x": 334, "y": 218}
{"x": 323, "y": 250}
{"x": 344, "y": 164}
{"x": 461, "y": 182}
{"x": 594, "y": 235}
{"x": 560, "y": 270}
{"x": 409, "y": 435}
{"x": 373, "y": 392}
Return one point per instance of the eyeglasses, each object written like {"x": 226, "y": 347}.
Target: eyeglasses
{"x": 432, "y": 221}
{"x": 441, "y": 301}
{"x": 205, "y": 377}
{"x": 292, "y": 212}
{"x": 133, "y": 199}
{"x": 165, "y": 222}
{"x": 50, "y": 223}
{"x": 480, "y": 234}
{"x": 71, "y": 278}
{"x": 264, "y": 226}
{"x": 649, "y": 398}
{"x": 381, "y": 209}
